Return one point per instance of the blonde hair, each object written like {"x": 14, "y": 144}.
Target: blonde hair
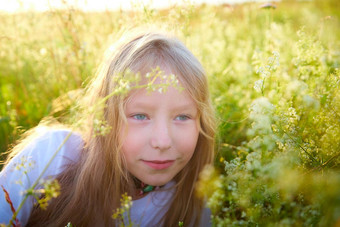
{"x": 91, "y": 190}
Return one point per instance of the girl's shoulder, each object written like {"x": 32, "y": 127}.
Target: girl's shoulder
{"x": 64, "y": 144}
{"x": 67, "y": 141}
{"x": 46, "y": 155}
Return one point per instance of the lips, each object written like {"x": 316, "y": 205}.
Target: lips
{"x": 158, "y": 164}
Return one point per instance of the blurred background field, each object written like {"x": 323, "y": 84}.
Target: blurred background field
{"x": 274, "y": 77}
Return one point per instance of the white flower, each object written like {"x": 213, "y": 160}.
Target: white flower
{"x": 259, "y": 85}
{"x": 261, "y": 106}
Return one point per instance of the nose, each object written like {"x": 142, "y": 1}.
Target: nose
{"x": 161, "y": 138}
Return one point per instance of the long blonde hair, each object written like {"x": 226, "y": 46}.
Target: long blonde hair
{"x": 91, "y": 190}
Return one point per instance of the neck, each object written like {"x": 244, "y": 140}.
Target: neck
{"x": 142, "y": 189}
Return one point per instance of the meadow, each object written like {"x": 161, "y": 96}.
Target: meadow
{"x": 275, "y": 84}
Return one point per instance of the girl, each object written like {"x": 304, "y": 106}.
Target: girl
{"x": 161, "y": 137}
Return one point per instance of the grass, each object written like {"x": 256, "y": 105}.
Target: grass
{"x": 291, "y": 56}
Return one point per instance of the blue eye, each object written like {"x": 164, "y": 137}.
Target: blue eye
{"x": 182, "y": 118}
{"x": 139, "y": 117}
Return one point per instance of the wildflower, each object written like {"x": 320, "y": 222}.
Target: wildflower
{"x": 259, "y": 85}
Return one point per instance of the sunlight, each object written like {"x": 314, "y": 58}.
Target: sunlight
{"x": 13, "y": 6}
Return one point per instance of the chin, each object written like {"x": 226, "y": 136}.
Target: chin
{"x": 157, "y": 182}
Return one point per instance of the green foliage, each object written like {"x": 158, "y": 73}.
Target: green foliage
{"x": 283, "y": 170}
{"x": 274, "y": 78}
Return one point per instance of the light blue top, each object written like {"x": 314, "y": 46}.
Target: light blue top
{"x": 24, "y": 169}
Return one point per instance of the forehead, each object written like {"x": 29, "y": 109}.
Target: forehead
{"x": 159, "y": 82}
{"x": 157, "y": 70}
{"x": 172, "y": 98}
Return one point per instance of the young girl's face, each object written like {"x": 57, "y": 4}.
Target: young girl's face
{"x": 162, "y": 134}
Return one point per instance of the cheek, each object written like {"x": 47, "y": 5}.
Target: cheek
{"x": 135, "y": 141}
{"x": 188, "y": 142}
{"x": 131, "y": 142}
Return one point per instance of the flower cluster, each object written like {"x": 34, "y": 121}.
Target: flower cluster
{"x": 278, "y": 140}
{"x": 122, "y": 214}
